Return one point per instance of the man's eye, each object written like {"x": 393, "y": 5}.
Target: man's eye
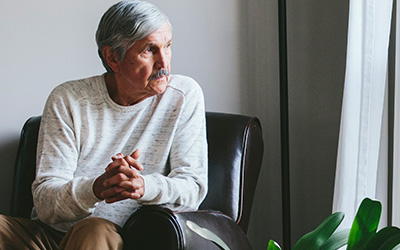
{"x": 147, "y": 50}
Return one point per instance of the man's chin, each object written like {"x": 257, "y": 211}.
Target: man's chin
{"x": 159, "y": 86}
{"x": 161, "y": 81}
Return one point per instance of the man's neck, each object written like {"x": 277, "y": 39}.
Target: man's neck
{"x": 118, "y": 95}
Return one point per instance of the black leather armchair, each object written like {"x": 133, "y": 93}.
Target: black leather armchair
{"x": 235, "y": 155}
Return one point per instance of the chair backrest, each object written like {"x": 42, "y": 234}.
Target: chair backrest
{"x": 235, "y": 154}
{"x": 25, "y": 168}
{"x": 235, "y": 151}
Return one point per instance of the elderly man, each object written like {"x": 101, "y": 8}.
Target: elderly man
{"x": 110, "y": 143}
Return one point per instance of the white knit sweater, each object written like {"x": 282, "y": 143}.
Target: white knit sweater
{"x": 82, "y": 128}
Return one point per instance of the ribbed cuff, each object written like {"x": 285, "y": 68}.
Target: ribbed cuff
{"x": 85, "y": 195}
{"x": 150, "y": 188}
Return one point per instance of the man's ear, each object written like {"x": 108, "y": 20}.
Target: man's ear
{"x": 111, "y": 58}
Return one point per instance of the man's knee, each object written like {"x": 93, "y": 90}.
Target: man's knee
{"x": 95, "y": 225}
{"x": 93, "y": 233}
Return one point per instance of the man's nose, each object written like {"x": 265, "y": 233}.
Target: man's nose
{"x": 162, "y": 60}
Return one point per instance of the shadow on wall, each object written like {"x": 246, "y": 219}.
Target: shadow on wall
{"x": 8, "y": 152}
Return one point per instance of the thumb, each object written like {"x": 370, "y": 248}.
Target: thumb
{"x": 136, "y": 154}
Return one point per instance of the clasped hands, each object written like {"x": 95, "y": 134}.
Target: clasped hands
{"x": 121, "y": 179}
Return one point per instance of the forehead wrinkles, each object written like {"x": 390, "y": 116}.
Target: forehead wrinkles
{"x": 163, "y": 34}
{"x": 160, "y": 37}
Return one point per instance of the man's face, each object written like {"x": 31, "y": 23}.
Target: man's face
{"x": 135, "y": 74}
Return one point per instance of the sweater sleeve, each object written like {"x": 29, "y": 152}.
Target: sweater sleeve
{"x": 57, "y": 195}
{"x": 186, "y": 184}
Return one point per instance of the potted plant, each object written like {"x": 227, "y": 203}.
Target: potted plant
{"x": 363, "y": 235}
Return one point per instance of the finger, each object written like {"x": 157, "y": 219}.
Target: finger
{"x": 132, "y": 185}
{"x": 117, "y": 156}
{"x": 116, "y": 194}
{"x": 122, "y": 196}
{"x": 116, "y": 175}
{"x": 133, "y": 162}
{"x": 115, "y": 180}
{"x": 128, "y": 170}
{"x": 136, "y": 154}
{"x": 117, "y": 162}
{"x": 111, "y": 192}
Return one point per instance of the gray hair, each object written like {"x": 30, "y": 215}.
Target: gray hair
{"x": 124, "y": 23}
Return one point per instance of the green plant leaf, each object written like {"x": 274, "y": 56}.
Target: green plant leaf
{"x": 272, "y": 245}
{"x": 317, "y": 238}
{"x": 337, "y": 240}
{"x": 392, "y": 243}
{"x": 365, "y": 224}
{"x": 207, "y": 234}
{"x": 387, "y": 238}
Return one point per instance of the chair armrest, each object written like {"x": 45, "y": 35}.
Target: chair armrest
{"x": 159, "y": 227}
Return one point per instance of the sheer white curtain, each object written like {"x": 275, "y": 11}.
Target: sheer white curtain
{"x": 362, "y": 153}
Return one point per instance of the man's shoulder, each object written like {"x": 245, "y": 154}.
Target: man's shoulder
{"x": 80, "y": 87}
{"x": 183, "y": 84}
{"x": 87, "y": 82}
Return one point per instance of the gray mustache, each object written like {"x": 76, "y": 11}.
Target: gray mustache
{"x": 161, "y": 72}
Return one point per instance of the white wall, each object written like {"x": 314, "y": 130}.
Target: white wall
{"x": 231, "y": 48}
